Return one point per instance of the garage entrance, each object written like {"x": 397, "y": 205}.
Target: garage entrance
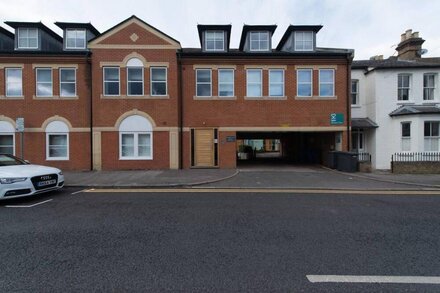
{"x": 284, "y": 148}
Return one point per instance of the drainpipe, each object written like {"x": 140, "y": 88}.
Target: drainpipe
{"x": 349, "y": 60}
{"x": 180, "y": 107}
{"x": 89, "y": 62}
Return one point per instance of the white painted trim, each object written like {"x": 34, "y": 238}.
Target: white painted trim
{"x": 218, "y": 83}
{"x": 13, "y": 140}
{"x": 59, "y": 77}
{"x": 210, "y": 81}
{"x": 319, "y": 81}
{"x": 304, "y": 50}
{"x": 18, "y": 38}
{"x": 6, "y": 82}
{"x": 103, "y": 81}
{"x": 311, "y": 82}
{"x": 259, "y": 41}
{"x": 143, "y": 83}
{"x": 206, "y": 40}
{"x": 36, "y": 81}
{"x": 48, "y": 158}
{"x": 85, "y": 39}
{"x": 373, "y": 279}
{"x": 151, "y": 81}
{"x": 283, "y": 94}
{"x": 261, "y": 83}
{"x": 135, "y": 146}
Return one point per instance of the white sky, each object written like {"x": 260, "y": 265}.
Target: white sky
{"x": 371, "y": 27}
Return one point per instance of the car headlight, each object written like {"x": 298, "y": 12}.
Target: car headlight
{"x": 60, "y": 173}
{"x": 12, "y": 180}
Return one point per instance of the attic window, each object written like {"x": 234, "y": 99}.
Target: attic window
{"x": 303, "y": 41}
{"x": 27, "y": 38}
{"x": 259, "y": 41}
{"x": 214, "y": 41}
{"x": 75, "y": 39}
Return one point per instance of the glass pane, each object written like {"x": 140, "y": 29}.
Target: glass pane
{"x": 23, "y": 33}
{"x": 67, "y": 75}
{"x": 276, "y": 76}
{"x": 111, "y": 88}
{"x": 135, "y": 88}
{"x": 403, "y": 94}
{"x": 70, "y": 43}
{"x": 254, "y": 76}
{"x": 253, "y": 90}
{"x": 127, "y": 139}
{"x": 203, "y": 75}
{"x": 127, "y": 151}
{"x": 219, "y": 44}
{"x": 354, "y": 86}
{"x": 144, "y": 151}
{"x": 210, "y": 45}
{"x": 111, "y": 74}
{"x": 134, "y": 74}
{"x": 144, "y": 139}
{"x": 58, "y": 140}
{"x": 405, "y": 81}
{"x": 33, "y": 43}
{"x": 264, "y": 45}
{"x": 6, "y": 140}
{"x": 326, "y": 90}
{"x": 70, "y": 34}
{"x": 6, "y": 150}
{"x": 255, "y": 45}
{"x": 406, "y": 129}
{"x": 13, "y": 75}
{"x": 158, "y": 74}
{"x": 57, "y": 151}
{"x": 22, "y": 43}
{"x": 304, "y": 90}
{"x": 308, "y": 36}
{"x": 67, "y": 90}
{"x": 304, "y": 76}
{"x": 32, "y": 33}
{"x": 44, "y": 75}
{"x": 226, "y": 90}
{"x": 203, "y": 90}
{"x": 44, "y": 89}
{"x": 276, "y": 90}
{"x": 226, "y": 76}
{"x": 158, "y": 88}
{"x": 326, "y": 75}
{"x": 427, "y": 129}
{"x": 435, "y": 130}
{"x": 80, "y": 43}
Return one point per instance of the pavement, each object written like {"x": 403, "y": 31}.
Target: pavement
{"x": 292, "y": 177}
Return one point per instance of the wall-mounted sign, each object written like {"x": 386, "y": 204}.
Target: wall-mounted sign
{"x": 19, "y": 124}
{"x": 336, "y": 118}
{"x": 230, "y": 138}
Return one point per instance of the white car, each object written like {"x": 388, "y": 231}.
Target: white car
{"x": 19, "y": 178}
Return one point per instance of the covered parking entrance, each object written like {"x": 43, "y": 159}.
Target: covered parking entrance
{"x": 285, "y": 148}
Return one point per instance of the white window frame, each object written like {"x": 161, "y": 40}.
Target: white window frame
{"x": 67, "y": 82}
{"x": 151, "y": 81}
{"x": 48, "y": 157}
{"x": 259, "y": 33}
{"x": 273, "y": 83}
{"x": 215, "y": 33}
{"x": 247, "y": 82}
{"x": 356, "y": 93}
{"x": 404, "y": 88}
{"x": 76, "y": 38}
{"x": 128, "y": 82}
{"x": 297, "y": 48}
{"x": 6, "y": 82}
{"x": 233, "y": 82}
{"x": 332, "y": 82}
{"x": 36, "y": 81}
{"x": 210, "y": 81}
{"x": 136, "y": 146}
{"x": 28, "y": 29}
{"x": 405, "y": 138}
{"x": 13, "y": 140}
{"x": 103, "y": 81}
{"x": 425, "y": 138}
{"x": 434, "y": 75}
{"x": 298, "y": 83}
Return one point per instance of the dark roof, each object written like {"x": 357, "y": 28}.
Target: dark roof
{"x": 44, "y": 53}
{"x": 6, "y": 33}
{"x": 216, "y": 27}
{"x": 248, "y": 28}
{"x": 292, "y": 28}
{"x": 39, "y": 25}
{"x": 135, "y": 17}
{"x": 78, "y": 25}
{"x": 395, "y": 63}
{"x": 415, "y": 110}
{"x": 320, "y": 52}
{"x": 363, "y": 123}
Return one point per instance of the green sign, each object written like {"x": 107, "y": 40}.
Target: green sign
{"x": 336, "y": 118}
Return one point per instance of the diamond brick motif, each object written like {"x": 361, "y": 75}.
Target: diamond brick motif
{"x": 134, "y": 37}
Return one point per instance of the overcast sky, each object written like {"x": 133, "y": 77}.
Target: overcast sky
{"x": 371, "y": 27}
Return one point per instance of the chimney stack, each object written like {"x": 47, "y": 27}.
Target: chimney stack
{"x": 410, "y": 46}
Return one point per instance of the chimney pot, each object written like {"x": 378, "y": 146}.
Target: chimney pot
{"x": 408, "y": 33}
{"x": 415, "y": 35}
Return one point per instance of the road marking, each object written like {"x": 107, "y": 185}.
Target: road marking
{"x": 373, "y": 279}
{"x": 28, "y": 206}
{"x": 76, "y": 192}
{"x": 264, "y": 190}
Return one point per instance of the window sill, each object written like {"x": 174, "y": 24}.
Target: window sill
{"x": 145, "y": 97}
{"x": 217, "y": 98}
{"x": 266, "y": 98}
{"x": 12, "y": 98}
{"x": 55, "y": 98}
{"x": 57, "y": 159}
{"x": 135, "y": 159}
{"x": 356, "y": 106}
{"x": 316, "y": 98}
{"x": 430, "y": 102}
{"x": 409, "y": 102}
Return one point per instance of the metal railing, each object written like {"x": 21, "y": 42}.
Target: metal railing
{"x": 364, "y": 157}
{"x": 416, "y": 157}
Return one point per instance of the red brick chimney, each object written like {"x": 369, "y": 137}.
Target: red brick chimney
{"x": 410, "y": 46}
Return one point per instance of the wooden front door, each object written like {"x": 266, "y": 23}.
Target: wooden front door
{"x": 204, "y": 148}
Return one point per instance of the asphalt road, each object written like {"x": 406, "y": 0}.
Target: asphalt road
{"x": 216, "y": 241}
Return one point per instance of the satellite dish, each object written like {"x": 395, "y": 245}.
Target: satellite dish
{"x": 423, "y": 51}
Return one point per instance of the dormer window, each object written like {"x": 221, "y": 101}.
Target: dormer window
{"x": 259, "y": 41}
{"x": 28, "y": 38}
{"x": 303, "y": 41}
{"x": 75, "y": 39}
{"x": 214, "y": 41}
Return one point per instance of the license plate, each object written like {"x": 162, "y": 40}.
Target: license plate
{"x": 47, "y": 182}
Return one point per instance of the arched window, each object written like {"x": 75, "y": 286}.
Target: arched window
{"x": 135, "y": 138}
{"x": 57, "y": 141}
{"x": 135, "y": 77}
{"x": 7, "y": 138}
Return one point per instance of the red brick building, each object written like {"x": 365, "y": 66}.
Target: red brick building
{"x": 132, "y": 98}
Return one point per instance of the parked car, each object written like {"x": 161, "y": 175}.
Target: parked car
{"x": 19, "y": 178}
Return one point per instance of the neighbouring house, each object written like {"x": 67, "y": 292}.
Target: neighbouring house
{"x": 395, "y": 103}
